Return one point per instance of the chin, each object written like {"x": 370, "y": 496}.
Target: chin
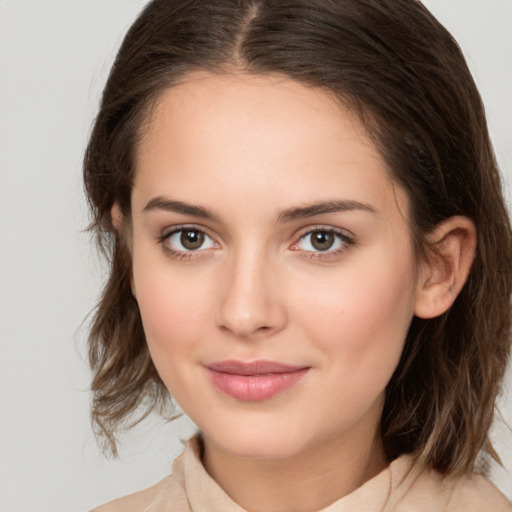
{"x": 262, "y": 449}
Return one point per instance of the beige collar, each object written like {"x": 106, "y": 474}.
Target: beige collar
{"x": 205, "y": 495}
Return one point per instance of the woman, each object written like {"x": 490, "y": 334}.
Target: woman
{"x": 310, "y": 253}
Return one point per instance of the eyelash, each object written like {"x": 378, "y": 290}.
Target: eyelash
{"x": 346, "y": 242}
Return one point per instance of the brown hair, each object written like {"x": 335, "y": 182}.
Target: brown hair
{"x": 395, "y": 65}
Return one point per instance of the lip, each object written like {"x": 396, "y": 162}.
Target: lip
{"x": 255, "y": 380}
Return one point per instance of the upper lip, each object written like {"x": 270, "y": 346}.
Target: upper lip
{"x": 252, "y": 367}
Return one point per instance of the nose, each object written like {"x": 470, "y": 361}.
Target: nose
{"x": 251, "y": 300}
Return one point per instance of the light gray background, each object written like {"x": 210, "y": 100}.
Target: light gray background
{"x": 54, "y": 57}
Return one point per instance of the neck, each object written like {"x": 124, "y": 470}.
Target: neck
{"x": 305, "y": 482}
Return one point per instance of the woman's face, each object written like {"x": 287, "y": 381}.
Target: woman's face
{"x": 272, "y": 263}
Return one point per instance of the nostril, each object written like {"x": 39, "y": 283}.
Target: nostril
{"x": 246, "y": 333}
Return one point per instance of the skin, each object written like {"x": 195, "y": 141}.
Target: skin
{"x": 250, "y": 150}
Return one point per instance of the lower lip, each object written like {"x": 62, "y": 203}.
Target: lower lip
{"x": 253, "y": 388}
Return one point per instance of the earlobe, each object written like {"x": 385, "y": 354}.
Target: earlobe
{"x": 451, "y": 251}
{"x": 116, "y": 216}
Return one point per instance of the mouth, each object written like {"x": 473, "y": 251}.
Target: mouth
{"x": 256, "y": 380}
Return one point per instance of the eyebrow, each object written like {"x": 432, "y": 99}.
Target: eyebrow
{"x": 319, "y": 208}
{"x": 168, "y": 205}
{"x": 291, "y": 214}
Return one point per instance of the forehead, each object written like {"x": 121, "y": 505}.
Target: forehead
{"x": 206, "y": 104}
{"x": 257, "y": 136}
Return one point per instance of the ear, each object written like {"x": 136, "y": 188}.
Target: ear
{"x": 116, "y": 216}
{"x": 451, "y": 252}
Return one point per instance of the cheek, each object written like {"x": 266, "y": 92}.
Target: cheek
{"x": 172, "y": 308}
{"x": 361, "y": 314}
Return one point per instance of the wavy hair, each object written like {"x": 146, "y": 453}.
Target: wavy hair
{"x": 399, "y": 69}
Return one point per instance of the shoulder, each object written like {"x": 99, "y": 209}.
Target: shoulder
{"x": 476, "y": 493}
{"x": 165, "y": 496}
{"x": 426, "y": 491}
{"x": 168, "y": 495}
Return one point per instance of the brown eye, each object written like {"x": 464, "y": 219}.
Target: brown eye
{"x": 192, "y": 239}
{"x": 322, "y": 240}
{"x": 188, "y": 240}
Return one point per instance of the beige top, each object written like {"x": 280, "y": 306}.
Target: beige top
{"x": 399, "y": 488}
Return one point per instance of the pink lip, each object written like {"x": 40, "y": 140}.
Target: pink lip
{"x": 256, "y": 380}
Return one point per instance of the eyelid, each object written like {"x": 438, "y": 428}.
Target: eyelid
{"x": 343, "y": 233}
{"x": 170, "y": 230}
